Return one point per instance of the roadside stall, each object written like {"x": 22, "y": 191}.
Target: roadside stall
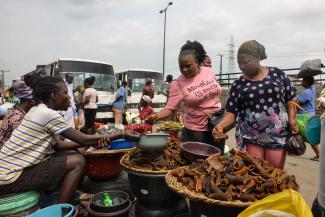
{"x": 226, "y": 185}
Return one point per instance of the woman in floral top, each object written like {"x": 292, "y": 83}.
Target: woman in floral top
{"x": 258, "y": 100}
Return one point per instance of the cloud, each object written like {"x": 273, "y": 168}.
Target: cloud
{"x": 129, "y": 33}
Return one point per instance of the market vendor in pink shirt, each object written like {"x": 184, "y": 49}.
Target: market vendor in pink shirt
{"x": 200, "y": 91}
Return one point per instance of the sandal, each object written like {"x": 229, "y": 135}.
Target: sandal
{"x": 315, "y": 158}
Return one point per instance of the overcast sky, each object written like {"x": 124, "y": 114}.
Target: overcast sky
{"x": 129, "y": 33}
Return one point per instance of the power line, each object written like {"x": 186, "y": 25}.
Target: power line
{"x": 296, "y": 55}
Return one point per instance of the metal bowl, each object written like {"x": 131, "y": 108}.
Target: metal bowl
{"x": 197, "y": 150}
{"x": 120, "y": 200}
{"x": 152, "y": 141}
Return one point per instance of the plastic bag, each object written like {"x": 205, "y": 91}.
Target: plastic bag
{"x": 296, "y": 145}
{"x": 309, "y": 127}
{"x": 288, "y": 202}
{"x": 310, "y": 68}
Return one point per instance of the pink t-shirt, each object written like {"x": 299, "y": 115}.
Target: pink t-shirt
{"x": 92, "y": 101}
{"x": 201, "y": 96}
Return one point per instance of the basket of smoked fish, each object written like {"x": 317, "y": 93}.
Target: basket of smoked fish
{"x": 155, "y": 162}
{"x": 234, "y": 181}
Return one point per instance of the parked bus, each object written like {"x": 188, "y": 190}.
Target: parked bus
{"x": 136, "y": 79}
{"x": 81, "y": 69}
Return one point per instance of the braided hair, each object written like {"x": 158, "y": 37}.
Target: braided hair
{"x": 194, "y": 48}
{"x": 45, "y": 87}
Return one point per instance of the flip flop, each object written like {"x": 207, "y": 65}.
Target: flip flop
{"x": 315, "y": 158}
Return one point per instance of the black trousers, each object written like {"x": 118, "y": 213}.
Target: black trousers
{"x": 90, "y": 115}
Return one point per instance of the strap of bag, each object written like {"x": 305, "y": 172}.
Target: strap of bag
{"x": 295, "y": 104}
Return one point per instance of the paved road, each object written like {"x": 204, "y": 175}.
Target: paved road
{"x": 305, "y": 170}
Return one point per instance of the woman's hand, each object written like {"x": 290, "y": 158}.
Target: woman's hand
{"x": 152, "y": 117}
{"x": 102, "y": 142}
{"x": 293, "y": 127}
{"x": 218, "y": 134}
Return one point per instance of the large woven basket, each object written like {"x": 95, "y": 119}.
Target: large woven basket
{"x": 194, "y": 196}
{"x": 126, "y": 157}
{"x": 105, "y": 152}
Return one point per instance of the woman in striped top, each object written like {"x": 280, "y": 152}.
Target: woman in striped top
{"x": 32, "y": 159}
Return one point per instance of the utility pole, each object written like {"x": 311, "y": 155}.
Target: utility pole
{"x": 231, "y": 70}
{"x": 164, "y": 11}
{"x": 220, "y": 69}
{"x": 2, "y": 77}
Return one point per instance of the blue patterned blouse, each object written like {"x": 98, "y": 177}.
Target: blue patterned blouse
{"x": 261, "y": 109}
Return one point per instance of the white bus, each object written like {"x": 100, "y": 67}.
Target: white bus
{"x": 81, "y": 69}
{"x": 136, "y": 79}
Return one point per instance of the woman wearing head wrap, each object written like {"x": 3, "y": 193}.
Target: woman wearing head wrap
{"x": 259, "y": 101}
{"x": 145, "y": 108}
{"x": 15, "y": 115}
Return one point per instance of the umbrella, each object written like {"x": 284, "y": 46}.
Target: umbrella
{"x": 310, "y": 68}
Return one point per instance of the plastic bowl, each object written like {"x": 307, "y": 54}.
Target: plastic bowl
{"x": 103, "y": 167}
{"x": 121, "y": 144}
{"x": 197, "y": 150}
{"x": 152, "y": 141}
{"x": 63, "y": 209}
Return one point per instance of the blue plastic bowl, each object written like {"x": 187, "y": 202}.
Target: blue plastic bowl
{"x": 64, "y": 210}
{"x": 52, "y": 199}
{"x": 121, "y": 144}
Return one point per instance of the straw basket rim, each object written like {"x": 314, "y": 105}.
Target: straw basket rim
{"x": 182, "y": 190}
{"x": 106, "y": 152}
{"x": 126, "y": 156}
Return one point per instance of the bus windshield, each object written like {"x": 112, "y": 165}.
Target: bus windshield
{"x": 103, "y": 73}
{"x": 138, "y": 84}
{"x": 137, "y": 79}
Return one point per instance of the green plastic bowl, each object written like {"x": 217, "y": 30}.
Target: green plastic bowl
{"x": 15, "y": 203}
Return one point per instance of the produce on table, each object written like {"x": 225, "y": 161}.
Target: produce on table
{"x": 140, "y": 128}
{"x": 170, "y": 125}
{"x": 232, "y": 178}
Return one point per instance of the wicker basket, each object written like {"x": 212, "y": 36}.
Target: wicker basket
{"x": 105, "y": 152}
{"x": 194, "y": 196}
{"x": 126, "y": 157}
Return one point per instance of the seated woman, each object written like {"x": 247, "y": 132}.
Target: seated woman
{"x": 145, "y": 107}
{"x": 15, "y": 115}
{"x": 29, "y": 159}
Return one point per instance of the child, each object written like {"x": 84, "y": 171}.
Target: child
{"x": 28, "y": 159}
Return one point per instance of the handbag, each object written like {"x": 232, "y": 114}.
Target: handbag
{"x": 296, "y": 145}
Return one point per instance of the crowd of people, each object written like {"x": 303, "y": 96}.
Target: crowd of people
{"x": 259, "y": 104}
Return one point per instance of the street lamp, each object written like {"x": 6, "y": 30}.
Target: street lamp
{"x": 164, "y": 11}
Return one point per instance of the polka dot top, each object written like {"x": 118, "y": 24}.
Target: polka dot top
{"x": 261, "y": 109}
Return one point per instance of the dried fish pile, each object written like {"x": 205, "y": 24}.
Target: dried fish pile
{"x": 169, "y": 159}
{"x": 238, "y": 177}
